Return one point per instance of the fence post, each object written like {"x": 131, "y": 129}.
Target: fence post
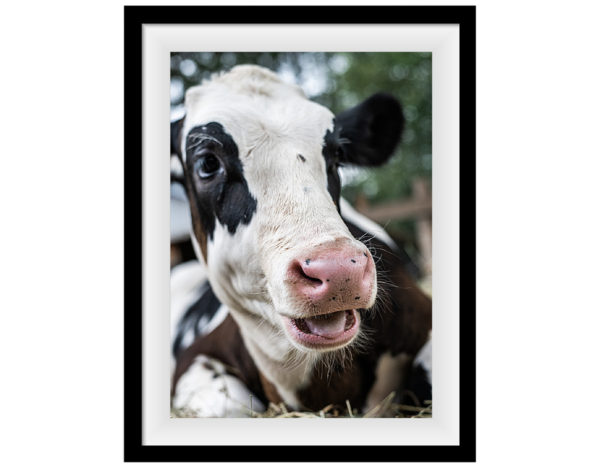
{"x": 423, "y": 223}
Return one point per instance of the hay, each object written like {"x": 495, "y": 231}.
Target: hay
{"x": 384, "y": 409}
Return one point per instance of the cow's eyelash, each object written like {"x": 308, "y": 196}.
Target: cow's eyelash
{"x": 201, "y": 138}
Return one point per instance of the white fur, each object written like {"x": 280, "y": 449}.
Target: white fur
{"x": 207, "y": 390}
{"x": 390, "y": 375}
{"x": 424, "y": 358}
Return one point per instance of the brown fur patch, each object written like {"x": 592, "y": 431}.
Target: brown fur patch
{"x": 270, "y": 391}
{"x": 197, "y": 225}
{"x": 335, "y": 386}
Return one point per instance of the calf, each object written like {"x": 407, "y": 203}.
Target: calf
{"x": 295, "y": 308}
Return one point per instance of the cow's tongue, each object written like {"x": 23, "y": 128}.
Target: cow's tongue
{"x": 328, "y": 326}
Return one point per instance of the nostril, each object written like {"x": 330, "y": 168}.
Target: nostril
{"x": 315, "y": 281}
{"x": 299, "y": 273}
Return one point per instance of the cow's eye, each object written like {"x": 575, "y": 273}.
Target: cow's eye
{"x": 207, "y": 165}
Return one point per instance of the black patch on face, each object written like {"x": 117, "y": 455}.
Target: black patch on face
{"x": 222, "y": 194}
{"x": 333, "y": 153}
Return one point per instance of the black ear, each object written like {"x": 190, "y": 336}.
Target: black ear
{"x": 177, "y": 171}
{"x": 176, "y": 127}
{"x": 373, "y": 129}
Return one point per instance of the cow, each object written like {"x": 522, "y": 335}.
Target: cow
{"x": 295, "y": 298}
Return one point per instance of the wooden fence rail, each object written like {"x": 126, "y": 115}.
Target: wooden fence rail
{"x": 418, "y": 207}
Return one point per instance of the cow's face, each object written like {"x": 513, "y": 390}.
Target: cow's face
{"x": 261, "y": 172}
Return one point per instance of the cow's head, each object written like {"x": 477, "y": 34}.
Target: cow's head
{"x": 261, "y": 173}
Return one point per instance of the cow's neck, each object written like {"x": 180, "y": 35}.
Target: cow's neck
{"x": 278, "y": 362}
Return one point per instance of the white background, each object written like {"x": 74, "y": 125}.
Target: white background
{"x": 62, "y": 240}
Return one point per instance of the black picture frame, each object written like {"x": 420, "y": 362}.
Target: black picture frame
{"x": 134, "y": 18}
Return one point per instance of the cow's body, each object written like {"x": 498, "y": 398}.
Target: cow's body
{"x": 295, "y": 309}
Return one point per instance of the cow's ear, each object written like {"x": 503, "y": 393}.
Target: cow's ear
{"x": 176, "y": 157}
{"x": 372, "y": 130}
{"x": 176, "y": 128}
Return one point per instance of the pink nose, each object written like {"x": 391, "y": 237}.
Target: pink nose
{"x": 334, "y": 279}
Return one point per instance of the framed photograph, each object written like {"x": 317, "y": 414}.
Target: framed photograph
{"x": 300, "y": 271}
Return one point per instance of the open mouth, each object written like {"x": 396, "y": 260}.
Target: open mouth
{"x": 326, "y": 330}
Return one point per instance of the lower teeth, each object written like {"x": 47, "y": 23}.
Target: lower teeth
{"x": 324, "y": 316}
